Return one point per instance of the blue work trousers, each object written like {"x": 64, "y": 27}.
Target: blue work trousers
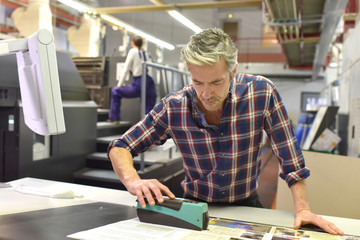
{"x": 132, "y": 90}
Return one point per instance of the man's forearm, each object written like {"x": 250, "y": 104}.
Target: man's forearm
{"x": 304, "y": 214}
{"x": 298, "y": 191}
{"x": 123, "y": 165}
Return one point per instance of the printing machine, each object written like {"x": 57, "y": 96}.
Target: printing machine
{"x": 26, "y": 154}
{"x": 67, "y": 157}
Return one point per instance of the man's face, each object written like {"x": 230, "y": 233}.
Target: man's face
{"x": 211, "y": 83}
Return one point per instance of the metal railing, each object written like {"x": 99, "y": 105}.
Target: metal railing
{"x": 166, "y": 86}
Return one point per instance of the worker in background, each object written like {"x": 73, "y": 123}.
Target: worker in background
{"x": 133, "y": 67}
{"x": 217, "y": 124}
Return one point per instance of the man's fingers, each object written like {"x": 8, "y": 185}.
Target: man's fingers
{"x": 155, "y": 188}
{"x": 150, "y": 189}
{"x": 318, "y": 221}
{"x": 141, "y": 199}
{"x": 297, "y": 223}
{"x": 149, "y": 195}
{"x": 167, "y": 191}
{"x": 338, "y": 231}
{"x": 331, "y": 228}
{"x": 158, "y": 189}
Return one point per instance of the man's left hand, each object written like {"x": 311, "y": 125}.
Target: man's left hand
{"x": 307, "y": 217}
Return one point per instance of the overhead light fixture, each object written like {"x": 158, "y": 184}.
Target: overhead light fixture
{"x": 136, "y": 31}
{"x": 81, "y": 7}
{"x": 76, "y": 5}
{"x": 180, "y": 18}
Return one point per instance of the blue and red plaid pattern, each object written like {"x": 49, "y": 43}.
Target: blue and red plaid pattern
{"x": 222, "y": 163}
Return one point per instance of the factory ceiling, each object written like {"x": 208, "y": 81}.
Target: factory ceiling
{"x": 303, "y": 28}
{"x": 298, "y": 28}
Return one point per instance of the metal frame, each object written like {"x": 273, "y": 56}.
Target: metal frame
{"x": 185, "y": 77}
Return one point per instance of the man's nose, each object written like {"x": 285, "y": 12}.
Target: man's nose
{"x": 207, "y": 92}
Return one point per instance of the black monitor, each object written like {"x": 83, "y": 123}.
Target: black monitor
{"x": 324, "y": 118}
{"x": 310, "y": 101}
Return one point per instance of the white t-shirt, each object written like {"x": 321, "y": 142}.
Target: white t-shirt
{"x": 133, "y": 63}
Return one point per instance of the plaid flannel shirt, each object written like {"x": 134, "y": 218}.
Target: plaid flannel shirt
{"x": 222, "y": 163}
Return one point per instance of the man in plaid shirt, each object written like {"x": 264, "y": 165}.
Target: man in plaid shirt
{"x": 218, "y": 123}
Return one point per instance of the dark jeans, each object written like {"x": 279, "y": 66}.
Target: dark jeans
{"x": 252, "y": 201}
{"x": 132, "y": 90}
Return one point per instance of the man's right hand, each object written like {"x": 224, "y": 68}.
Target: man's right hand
{"x": 149, "y": 189}
{"x": 123, "y": 165}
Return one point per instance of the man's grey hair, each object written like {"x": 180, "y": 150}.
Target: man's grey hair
{"x": 208, "y": 47}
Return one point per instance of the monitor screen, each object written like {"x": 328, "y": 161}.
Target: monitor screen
{"x": 310, "y": 101}
{"x": 324, "y": 118}
{"x": 39, "y": 81}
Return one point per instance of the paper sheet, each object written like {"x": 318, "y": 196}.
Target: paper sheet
{"x": 131, "y": 229}
{"x": 219, "y": 229}
{"x": 327, "y": 141}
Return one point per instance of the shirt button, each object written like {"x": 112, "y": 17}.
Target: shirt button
{"x": 222, "y": 134}
{"x": 222, "y": 174}
{"x": 222, "y": 193}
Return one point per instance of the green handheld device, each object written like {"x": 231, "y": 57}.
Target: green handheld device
{"x": 177, "y": 213}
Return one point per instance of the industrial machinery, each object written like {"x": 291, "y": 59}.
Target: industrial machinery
{"x": 79, "y": 154}
{"x": 99, "y": 75}
{"x": 24, "y": 153}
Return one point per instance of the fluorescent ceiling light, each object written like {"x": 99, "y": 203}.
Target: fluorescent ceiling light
{"x": 180, "y": 18}
{"x": 137, "y": 32}
{"x": 81, "y": 7}
{"x": 76, "y": 5}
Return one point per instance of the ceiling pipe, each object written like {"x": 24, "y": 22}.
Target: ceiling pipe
{"x": 282, "y": 26}
{"x": 297, "y": 13}
{"x": 333, "y": 12}
{"x": 302, "y": 42}
{"x": 286, "y": 26}
{"x": 297, "y": 16}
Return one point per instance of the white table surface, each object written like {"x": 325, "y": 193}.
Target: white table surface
{"x": 17, "y": 202}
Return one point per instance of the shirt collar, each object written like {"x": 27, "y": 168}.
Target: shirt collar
{"x": 232, "y": 89}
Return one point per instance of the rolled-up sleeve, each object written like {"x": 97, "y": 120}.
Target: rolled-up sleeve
{"x": 283, "y": 141}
